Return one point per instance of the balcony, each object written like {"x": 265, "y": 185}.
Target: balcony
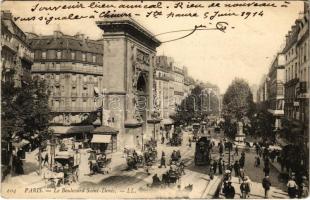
{"x": 66, "y": 68}
{"x": 10, "y": 45}
{"x": 73, "y": 109}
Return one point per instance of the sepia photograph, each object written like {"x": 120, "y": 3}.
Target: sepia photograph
{"x": 155, "y": 99}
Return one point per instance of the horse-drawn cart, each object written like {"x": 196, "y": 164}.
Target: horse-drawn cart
{"x": 100, "y": 162}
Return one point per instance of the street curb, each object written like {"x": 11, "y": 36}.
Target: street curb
{"x": 212, "y": 187}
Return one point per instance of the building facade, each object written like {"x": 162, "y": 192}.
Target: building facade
{"x": 128, "y": 67}
{"x": 163, "y": 78}
{"x": 73, "y": 68}
{"x": 297, "y": 80}
{"x": 16, "y": 54}
{"x": 275, "y": 90}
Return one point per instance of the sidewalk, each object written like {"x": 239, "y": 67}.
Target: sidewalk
{"x": 257, "y": 191}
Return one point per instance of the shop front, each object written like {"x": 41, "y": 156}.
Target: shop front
{"x": 104, "y": 139}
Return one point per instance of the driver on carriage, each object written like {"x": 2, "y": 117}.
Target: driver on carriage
{"x": 173, "y": 167}
{"x": 174, "y": 156}
{"x": 156, "y": 181}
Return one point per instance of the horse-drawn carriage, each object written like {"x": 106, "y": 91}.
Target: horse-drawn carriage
{"x": 65, "y": 170}
{"x": 150, "y": 153}
{"x": 134, "y": 159}
{"x": 196, "y": 129}
{"x": 99, "y": 162}
{"x": 202, "y": 152}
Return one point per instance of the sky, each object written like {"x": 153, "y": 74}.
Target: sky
{"x": 245, "y": 51}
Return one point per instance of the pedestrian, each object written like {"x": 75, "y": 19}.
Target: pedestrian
{"x": 178, "y": 154}
{"x": 266, "y": 162}
{"x": 241, "y": 175}
{"x": 220, "y": 166}
{"x": 221, "y": 148}
{"x": 182, "y": 167}
{"x": 242, "y": 161}
{"x": 266, "y": 170}
{"x": 211, "y": 172}
{"x": 162, "y": 139}
{"x": 266, "y": 185}
{"x": 291, "y": 188}
{"x": 237, "y": 168}
{"x": 214, "y": 166}
{"x": 236, "y": 151}
{"x": 243, "y": 190}
{"x": 304, "y": 188}
{"x": 248, "y": 186}
{"x": 90, "y": 167}
{"x": 229, "y": 191}
{"x": 45, "y": 159}
{"x": 163, "y": 160}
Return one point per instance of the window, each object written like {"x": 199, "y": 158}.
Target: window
{"x": 58, "y": 55}
{"x": 83, "y": 57}
{"x": 57, "y": 77}
{"x": 94, "y": 58}
{"x": 73, "y": 55}
{"x": 56, "y": 103}
{"x": 44, "y": 55}
{"x": 57, "y": 66}
{"x": 73, "y": 103}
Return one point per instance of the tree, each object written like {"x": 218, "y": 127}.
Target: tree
{"x": 25, "y": 112}
{"x": 237, "y": 104}
{"x": 191, "y": 107}
{"x": 238, "y": 100}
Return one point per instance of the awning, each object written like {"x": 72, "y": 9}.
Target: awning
{"x": 20, "y": 144}
{"x": 105, "y": 130}
{"x": 71, "y": 129}
{"x": 101, "y": 138}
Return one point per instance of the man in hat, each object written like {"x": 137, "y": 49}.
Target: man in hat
{"x": 291, "y": 188}
{"x": 229, "y": 190}
{"x": 266, "y": 185}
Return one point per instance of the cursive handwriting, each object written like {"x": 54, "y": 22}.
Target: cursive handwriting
{"x": 220, "y": 26}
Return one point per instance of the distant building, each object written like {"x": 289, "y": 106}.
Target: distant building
{"x": 73, "y": 67}
{"x": 254, "y": 89}
{"x": 16, "y": 55}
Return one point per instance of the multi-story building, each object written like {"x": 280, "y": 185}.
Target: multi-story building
{"x": 171, "y": 86}
{"x": 16, "y": 55}
{"x": 261, "y": 96}
{"x": 162, "y": 78}
{"x": 275, "y": 90}
{"x": 176, "y": 87}
{"x": 73, "y": 67}
{"x": 304, "y": 66}
{"x": 254, "y": 89}
{"x": 291, "y": 73}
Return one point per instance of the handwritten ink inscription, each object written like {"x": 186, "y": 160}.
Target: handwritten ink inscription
{"x": 69, "y": 11}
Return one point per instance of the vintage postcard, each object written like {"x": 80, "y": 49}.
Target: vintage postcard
{"x": 155, "y": 99}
